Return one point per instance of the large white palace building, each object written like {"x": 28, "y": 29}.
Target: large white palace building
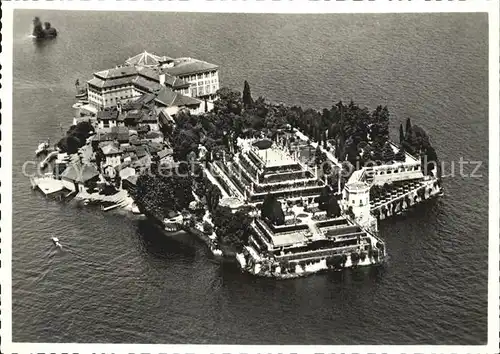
{"x": 149, "y": 73}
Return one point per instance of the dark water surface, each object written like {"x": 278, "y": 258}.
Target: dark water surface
{"x": 120, "y": 280}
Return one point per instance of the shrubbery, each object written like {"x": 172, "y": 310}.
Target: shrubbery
{"x": 75, "y": 137}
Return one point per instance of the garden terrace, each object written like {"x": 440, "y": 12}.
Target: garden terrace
{"x": 273, "y": 159}
{"x": 258, "y": 243}
{"x": 296, "y": 167}
{"x": 246, "y": 164}
{"x": 332, "y": 231}
{"x": 225, "y": 181}
{"x": 392, "y": 192}
{"x": 308, "y": 253}
{"x": 278, "y": 186}
{"x": 286, "y": 176}
{"x": 283, "y": 238}
{"x": 286, "y": 228}
{"x": 247, "y": 178}
{"x": 288, "y": 193}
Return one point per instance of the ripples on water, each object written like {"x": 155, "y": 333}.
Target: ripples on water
{"x": 120, "y": 280}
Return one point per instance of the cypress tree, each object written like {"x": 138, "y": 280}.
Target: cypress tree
{"x": 247, "y": 96}
{"x": 387, "y": 153}
{"x": 408, "y": 126}
{"x": 401, "y": 134}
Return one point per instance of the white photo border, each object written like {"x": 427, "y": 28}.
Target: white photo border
{"x": 252, "y": 6}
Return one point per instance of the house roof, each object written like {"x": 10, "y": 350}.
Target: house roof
{"x": 154, "y": 135}
{"x": 165, "y": 118}
{"x": 120, "y": 133}
{"x": 147, "y": 59}
{"x": 147, "y": 84}
{"x": 80, "y": 174}
{"x": 127, "y": 172}
{"x": 102, "y": 136}
{"x": 143, "y": 77}
{"x": 149, "y": 73}
{"x": 154, "y": 147}
{"x": 110, "y": 150}
{"x": 142, "y": 162}
{"x": 169, "y": 98}
{"x": 164, "y": 153}
{"x": 184, "y": 66}
{"x": 107, "y": 114}
{"x": 141, "y": 151}
{"x": 132, "y": 179}
{"x": 175, "y": 82}
{"x": 117, "y": 72}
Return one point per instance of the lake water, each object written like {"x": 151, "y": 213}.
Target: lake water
{"x": 122, "y": 281}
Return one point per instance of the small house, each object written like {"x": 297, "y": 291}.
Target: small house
{"x": 112, "y": 155}
{"x": 76, "y": 176}
{"x": 107, "y": 118}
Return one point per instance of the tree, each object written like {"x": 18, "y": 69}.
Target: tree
{"x": 408, "y": 127}
{"x": 161, "y": 194}
{"x": 37, "y": 28}
{"x": 354, "y": 258}
{"x": 184, "y": 142}
{"x": 319, "y": 156}
{"x": 387, "y": 153}
{"x": 213, "y": 197}
{"x": 247, "y": 96}
{"x": 208, "y": 228}
{"x": 400, "y": 155}
{"x": 69, "y": 144}
{"x": 271, "y": 210}
{"x": 350, "y": 212}
{"x": 380, "y": 124}
{"x": 323, "y": 198}
{"x": 333, "y": 208}
{"x": 233, "y": 229}
{"x": 228, "y": 101}
{"x": 401, "y": 134}
{"x": 429, "y": 160}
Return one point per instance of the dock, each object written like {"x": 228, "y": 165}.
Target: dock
{"x": 49, "y": 158}
{"x": 119, "y": 199}
{"x": 48, "y": 185}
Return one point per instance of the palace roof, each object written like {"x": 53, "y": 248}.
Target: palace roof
{"x": 185, "y": 66}
{"x": 147, "y": 59}
{"x": 168, "y": 97}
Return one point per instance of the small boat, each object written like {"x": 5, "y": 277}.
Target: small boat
{"x": 135, "y": 209}
{"x": 42, "y": 147}
{"x": 56, "y": 242}
{"x": 81, "y": 95}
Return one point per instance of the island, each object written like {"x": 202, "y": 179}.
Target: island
{"x": 280, "y": 190}
{"x": 43, "y": 32}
